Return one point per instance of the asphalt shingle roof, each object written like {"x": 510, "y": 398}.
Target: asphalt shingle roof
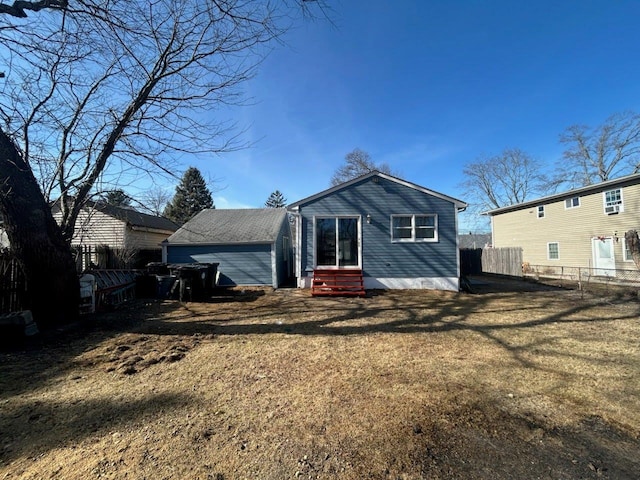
{"x": 215, "y": 226}
{"x": 128, "y": 215}
{"x": 137, "y": 219}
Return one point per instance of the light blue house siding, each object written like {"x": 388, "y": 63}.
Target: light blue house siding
{"x": 245, "y": 263}
{"x": 239, "y": 264}
{"x": 385, "y": 263}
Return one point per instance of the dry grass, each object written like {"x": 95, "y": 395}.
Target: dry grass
{"x": 277, "y": 385}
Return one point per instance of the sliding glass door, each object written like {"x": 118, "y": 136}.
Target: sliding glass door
{"x": 337, "y": 241}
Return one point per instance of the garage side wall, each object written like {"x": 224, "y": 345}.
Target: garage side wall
{"x": 248, "y": 265}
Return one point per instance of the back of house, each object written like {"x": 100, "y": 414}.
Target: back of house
{"x": 397, "y": 233}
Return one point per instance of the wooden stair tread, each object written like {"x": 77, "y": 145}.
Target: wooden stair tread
{"x": 337, "y": 282}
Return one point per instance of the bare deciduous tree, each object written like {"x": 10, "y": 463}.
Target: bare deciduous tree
{"x": 601, "y": 153}
{"x": 95, "y": 89}
{"x": 358, "y": 162}
{"x": 511, "y": 177}
{"x": 18, "y": 7}
{"x": 154, "y": 201}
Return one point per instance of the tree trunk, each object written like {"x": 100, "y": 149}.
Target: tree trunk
{"x": 36, "y": 240}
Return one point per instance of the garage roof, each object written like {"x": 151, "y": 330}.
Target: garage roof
{"x": 215, "y": 226}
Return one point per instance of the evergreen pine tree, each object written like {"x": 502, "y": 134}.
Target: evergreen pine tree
{"x": 276, "y": 200}
{"x": 117, "y": 198}
{"x": 192, "y": 196}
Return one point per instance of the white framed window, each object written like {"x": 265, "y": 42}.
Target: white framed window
{"x": 613, "y": 201}
{"x": 626, "y": 252}
{"x": 553, "y": 251}
{"x": 572, "y": 202}
{"x": 414, "y": 228}
{"x": 540, "y": 211}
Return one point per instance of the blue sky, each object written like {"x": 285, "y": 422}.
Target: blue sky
{"x": 427, "y": 86}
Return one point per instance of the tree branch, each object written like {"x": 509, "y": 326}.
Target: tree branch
{"x": 17, "y": 9}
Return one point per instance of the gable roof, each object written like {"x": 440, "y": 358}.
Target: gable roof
{"x": 460, "y": 205}
{"x": 215, "y": 226}
{"x": 137, "y": 219}
{"x": 593, "y": 188}
{"x": 133, "y": 218}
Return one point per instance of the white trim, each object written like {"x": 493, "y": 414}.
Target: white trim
{"x": 624, "y": 251}
{"x": 549, "y": 252}
{"x": 406, "y": 283}
{"x": 305, "y": 282}
{"x": 152, "y": 230}
{"x": 621, "y": 182}
{"x": 599, "y": 269}
{"x": 413, "y": 238}
{"x": 543, "y": 211}
{"x": 274, "y": 266}
{"x": 458, "y": 203}
{"x": 413, "y": 283}
{"x": 570, "y": 199}
{"x": 298, "y": 247}
{"x": 215, "y": 244}
{"x": 455, "y": 223}
{"x": 620, "y": 205}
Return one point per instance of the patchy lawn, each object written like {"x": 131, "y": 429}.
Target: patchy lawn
{"x": 279, "y": 385}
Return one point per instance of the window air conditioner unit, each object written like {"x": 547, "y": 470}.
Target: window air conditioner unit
{"x": 612, "y": 209}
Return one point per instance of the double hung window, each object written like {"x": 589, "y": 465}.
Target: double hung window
{"x": 414, "y": 228}
{"x": 572, "y": 202}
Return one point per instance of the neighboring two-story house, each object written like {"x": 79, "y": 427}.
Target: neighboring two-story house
{"x": 583, "y": 227}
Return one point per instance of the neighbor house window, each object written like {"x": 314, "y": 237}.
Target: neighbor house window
{"x": 613, "y": 201}
{"x": 627, "y": 252}
{"x": 541, "y": 211}
{"x": 414, "y": 228}
{"x": 553, "y": 251}
{"x": 572, "y": 202}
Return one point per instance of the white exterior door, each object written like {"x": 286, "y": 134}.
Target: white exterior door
{"x": 603, "y": 260}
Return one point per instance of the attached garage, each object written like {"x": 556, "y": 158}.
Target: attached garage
{"x": 251, "y": 246}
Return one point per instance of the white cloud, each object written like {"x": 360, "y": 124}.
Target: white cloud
{"x": 225, "y": 203}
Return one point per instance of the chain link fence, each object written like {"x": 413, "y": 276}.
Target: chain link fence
{"x": 598, "y": 281}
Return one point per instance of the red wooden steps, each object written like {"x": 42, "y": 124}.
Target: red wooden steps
{"x": 337, "y": 282}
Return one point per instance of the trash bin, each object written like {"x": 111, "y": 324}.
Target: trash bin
{"x": 164, "y": 284}
{"x": 157, "y": 268}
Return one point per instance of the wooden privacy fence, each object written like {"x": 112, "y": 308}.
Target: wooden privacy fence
{"x": 13, "y": 284}
{"x": 90, "y": 257}
{"x": 470, "y": 261}
{"x": 502, "y": 261}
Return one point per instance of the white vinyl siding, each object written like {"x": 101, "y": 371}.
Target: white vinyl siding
{"x": 572, "y": 229}
{"x": 95, "y": 228}
{"x": 139, "y": 239}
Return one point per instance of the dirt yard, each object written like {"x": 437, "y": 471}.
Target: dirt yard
{"x": 539, "y": 384}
